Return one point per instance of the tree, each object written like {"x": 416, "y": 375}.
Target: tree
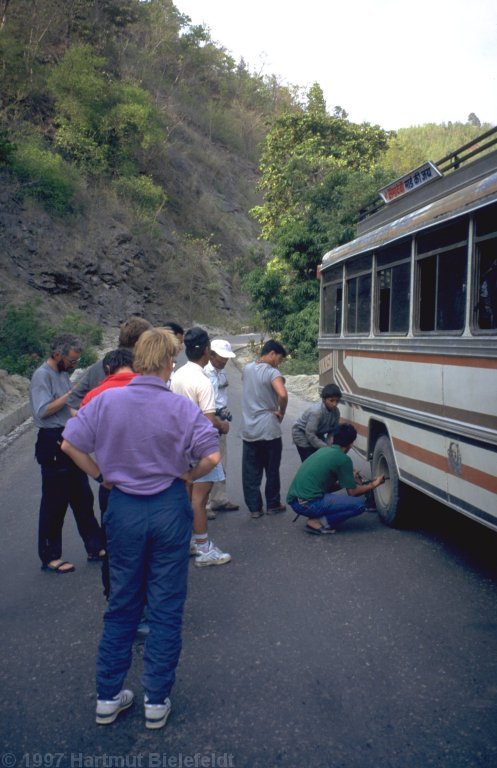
{"x": 317, "y": 172}
{"x": 315, "y": 100}
{"x": 299, "y": 151}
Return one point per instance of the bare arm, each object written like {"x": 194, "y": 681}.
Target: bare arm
{"x": 202, "y": 468}
{"x": 282, "y": 395}
{"x": 219, "y": 424}
{"x": 83, "y": 460}
{"x": 56, "y": 405}
{"x": 360, "y": 489}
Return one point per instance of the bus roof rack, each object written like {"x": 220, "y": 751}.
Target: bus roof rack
{"x": 451, "y": 162}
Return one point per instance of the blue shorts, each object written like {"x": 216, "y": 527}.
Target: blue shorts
{"x": 214, "y": 476}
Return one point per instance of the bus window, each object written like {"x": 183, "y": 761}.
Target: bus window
{"x": 442, "y": 291}
{"x": 486, "y": 269}
{"x": 487, "y": 285}
{"x": 332, "y": 300}
{"x": 442, "y": 268}
{"x": 358, "y": 286}
{"x": 393, "y": 279}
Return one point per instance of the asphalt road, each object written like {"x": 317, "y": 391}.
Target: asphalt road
{"x": 371, "y": 648}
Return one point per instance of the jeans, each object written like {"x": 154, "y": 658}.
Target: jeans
{"x": 63, "y": 484}
{"x": 335, "y": 507}
{"x": 258, "y": 457}
{"x": 103, "y": 503}
{"x": 148, "y": 541}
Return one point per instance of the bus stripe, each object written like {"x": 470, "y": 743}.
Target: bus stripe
{"x": 468, "y": 474}
{"x": 403, "y": 357}
{"x": 443, "y": 411}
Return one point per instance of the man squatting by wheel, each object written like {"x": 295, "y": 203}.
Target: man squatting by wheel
{"x": 312, "y": 492}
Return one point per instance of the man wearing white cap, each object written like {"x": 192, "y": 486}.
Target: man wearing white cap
{"x": 221, "y": 352}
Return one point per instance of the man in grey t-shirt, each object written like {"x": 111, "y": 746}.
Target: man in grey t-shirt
{"x": 63, "y": 483}
{"x": 264, "y": 404}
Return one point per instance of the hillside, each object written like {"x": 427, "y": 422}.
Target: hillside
{"x": 129, "y": 152}
{"x": 128, "y": 163}
{"x": 102, "y": 263}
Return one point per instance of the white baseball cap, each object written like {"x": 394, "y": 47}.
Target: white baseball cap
{"x": 222, "y": 348}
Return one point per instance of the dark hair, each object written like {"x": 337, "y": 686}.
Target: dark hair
{"x": 273, "y": 346}
{"x": 330, "y": 390}
{"x": 344, "y": 435}
{"x": 131, "y": 330}
{"x": 174, "y": 328}
{"x": 64, "y": 342}
{"x": 116, "y": 359}
{"x": 196, "y": 341}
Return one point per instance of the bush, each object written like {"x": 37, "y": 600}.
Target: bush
{"x": 296, "y": 365}
{"x": 7, "y": 148}
{"x": 90, "y": 334}
{"x": 145, "y": 197}
{"x": 300, "y": 332}
{"x": 45, "y": 176}
{"x": 23, "y": 342}
{"x": 25, "y": 339}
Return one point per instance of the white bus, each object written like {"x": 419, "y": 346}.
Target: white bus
{"x": 408, "y": 331}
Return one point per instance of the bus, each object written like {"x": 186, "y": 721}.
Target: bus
{"x": 408, "y": 331}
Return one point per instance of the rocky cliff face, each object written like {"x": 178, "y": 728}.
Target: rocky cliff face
{"x": 100, "y": 263}
{"x": 94, "y": 265}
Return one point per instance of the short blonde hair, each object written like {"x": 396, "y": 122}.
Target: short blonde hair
{"x": 154, "y": 350}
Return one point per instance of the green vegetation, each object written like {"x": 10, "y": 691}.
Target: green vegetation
{"x": 127, "y": 99}
{"x": 25, "y": 338}
{"x": 45, "y": 176}
{"x": 102, "y": 83}
{"x": 317, "y": 171}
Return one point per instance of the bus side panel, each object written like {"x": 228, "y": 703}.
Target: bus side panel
{"x": 427, "y": 405}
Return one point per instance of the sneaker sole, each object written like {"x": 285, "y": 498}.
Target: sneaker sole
{"x": 108, "y": 719}
{"x": 222, "y": 561}
{"x": 152, "y": 724}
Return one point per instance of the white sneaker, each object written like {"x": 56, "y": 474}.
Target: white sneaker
{"x": 213, "y": 556}
{"x": 108, "y": 710}
{"x": 156, "y": 714}
{"x": 193, "y": 548}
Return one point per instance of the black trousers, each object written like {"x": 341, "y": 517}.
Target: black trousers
{"x": 63, "y": 485}
{"x": 305, "y": 452}
{"x": 258, "y": 457}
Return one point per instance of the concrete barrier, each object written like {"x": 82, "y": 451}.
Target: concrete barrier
{"x": 15, "y": 418}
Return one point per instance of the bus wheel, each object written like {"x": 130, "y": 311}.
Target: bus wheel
{"x": 388, "y": 495}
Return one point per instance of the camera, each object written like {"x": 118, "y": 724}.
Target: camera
{"x": 223, "y": 414}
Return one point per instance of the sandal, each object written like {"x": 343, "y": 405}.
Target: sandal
{"x": 96, "y": 557}
{"x": 57, "y": 566}
{"x": 319, "y": 531}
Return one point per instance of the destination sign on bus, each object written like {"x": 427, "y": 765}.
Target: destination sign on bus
{"x": 412, "y": 180}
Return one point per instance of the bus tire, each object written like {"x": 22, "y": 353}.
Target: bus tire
{"x": 388, "y": 496}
